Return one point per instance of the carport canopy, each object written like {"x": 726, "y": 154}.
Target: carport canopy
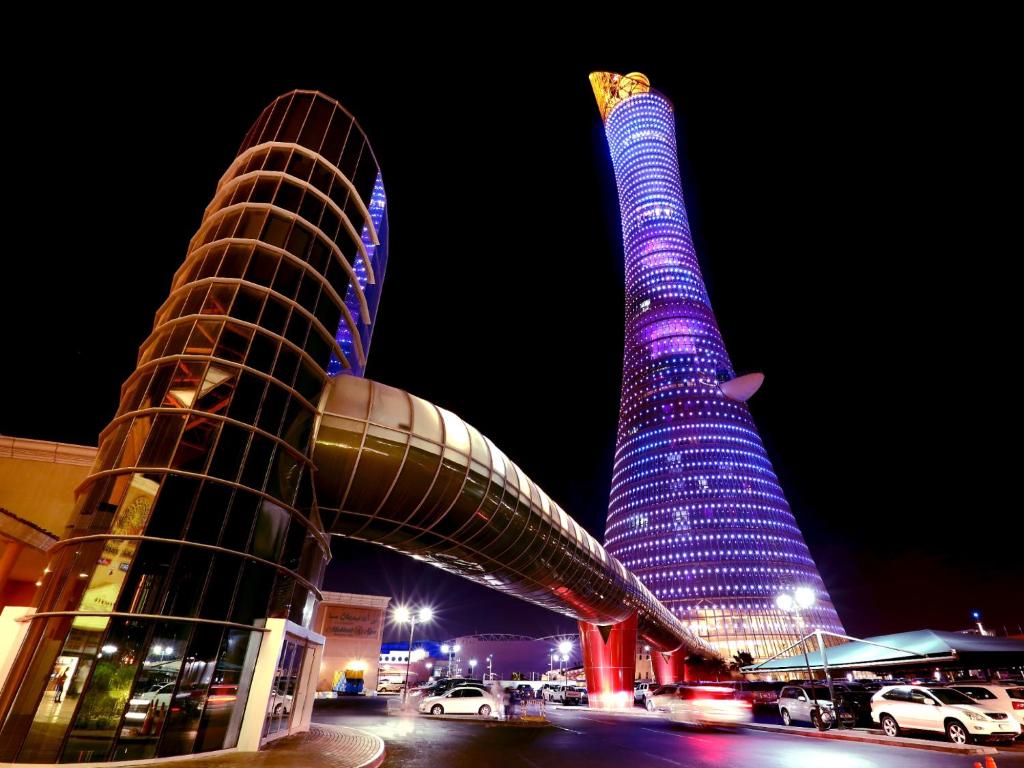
{"x": 924, "y": 647}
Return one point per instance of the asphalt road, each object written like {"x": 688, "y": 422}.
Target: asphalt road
{"x": 590, "y": 739}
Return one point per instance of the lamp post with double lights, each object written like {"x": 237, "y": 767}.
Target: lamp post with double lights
{"x": 565, "y": 649}
{"x": 803, "y": 598}
{"x": 403, "y": 615}
{"x": 450, "y": 650}
{"x": 472, "y": 666}
{"x": 490, "y": 666}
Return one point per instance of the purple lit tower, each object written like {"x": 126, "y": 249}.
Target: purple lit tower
{"x": 696, "y": 511}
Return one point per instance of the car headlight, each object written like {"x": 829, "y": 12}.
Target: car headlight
{"x": 974, "y": 715}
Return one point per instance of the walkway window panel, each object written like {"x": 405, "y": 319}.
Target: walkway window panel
{"x": 466, "y": 505}
{"x": 379, "y": 464}
{"x": 337, "y": 449}
{"x": 186, "y": 584}
{"x": 444, "y": 491}
{"x": 228, "y": 692}
{"x": 233, "y": 342}
{"x": 257, "y": 580}
{"x": 248, "y": 395}
{"x": 162, "y": 440}
{"x": 418, "y": 472}
{"x": 194, "y": 447}
{"x": 220, "y": 587}
{"x": 208, "y": 514}
{"x": 262, "y": 351}
{"x": 153, "y": 693}
{"x": 270, "y": 530}
{"x": 36, "y": 723}
{"x": 257, "y": 462}
{"x": 227, "y": 456}
{"x": 145, "y": 585}
{"x": 103, "y": 704}
{"x": 241, "y": 518}
{"x": 426, "y": 421}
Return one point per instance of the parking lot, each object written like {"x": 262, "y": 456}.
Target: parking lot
{"x": 579, "y": 735}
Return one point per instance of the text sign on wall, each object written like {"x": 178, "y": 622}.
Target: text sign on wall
{"x": 343, "y": 621}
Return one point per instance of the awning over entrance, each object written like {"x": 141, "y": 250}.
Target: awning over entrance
{"x": 925, "y": 647}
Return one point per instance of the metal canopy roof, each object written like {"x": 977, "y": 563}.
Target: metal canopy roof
{"x": 925, "y": 646}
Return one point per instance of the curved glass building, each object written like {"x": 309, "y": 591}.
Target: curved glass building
{"x": 198, "y": 522}
{"x": 695, "y": 511}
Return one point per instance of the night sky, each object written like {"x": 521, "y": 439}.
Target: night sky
{"x": 848, "y": 209}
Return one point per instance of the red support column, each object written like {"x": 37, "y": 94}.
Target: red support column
{"x": 609, "y": 662}
{"x": 670, "y": 668}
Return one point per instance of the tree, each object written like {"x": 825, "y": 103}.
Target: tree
{"x": 740, "y": 659}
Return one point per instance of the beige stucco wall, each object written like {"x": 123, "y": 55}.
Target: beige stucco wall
{"x": 352, "y": 626}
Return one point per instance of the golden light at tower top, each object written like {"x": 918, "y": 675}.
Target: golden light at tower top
{"x": 611, "y": 89}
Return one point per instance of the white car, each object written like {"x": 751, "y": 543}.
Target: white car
{"x": 157, "y": 697}
{"x": 464, "y": 700}
{"x": 640, "y": 691}
{"x": 1008, "y": 698}
{"x": 918, "y": 708}
{"x": 280, "y": 703}
{"x": 708, "y": 706}
{"x": 796, "y": 704}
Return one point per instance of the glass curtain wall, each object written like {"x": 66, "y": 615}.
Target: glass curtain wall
{"x": 198, "y": 520}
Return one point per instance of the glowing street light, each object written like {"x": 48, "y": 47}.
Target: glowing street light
{"x": 472, "y": 666}
{"x": 803, "y": 598}
{"x": 402, "y": 615}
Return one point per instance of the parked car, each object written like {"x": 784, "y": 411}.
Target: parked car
{"x": 856, "y": 700}
{"x": 464, "y": 700}
{"x": 390, "y": 686}
{"x": 659, "y": 698}
{"x": 525, "y": 692}
{"x": 797, "y": 703}
{"x": 902, "y": 708}
{"x": 998, "y": 696}
{"x": 573, "y": 694}
{"x": 640, "y": 691}
{"x": 553, "y": 692}
{"x": 759, "y": 693}
{"x": 447, "y": 683}
{"x": 708, "y": 705}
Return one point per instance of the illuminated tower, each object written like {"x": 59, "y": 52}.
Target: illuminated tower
{"x": 198, "y": 523}
{"x": 695, "y": 509}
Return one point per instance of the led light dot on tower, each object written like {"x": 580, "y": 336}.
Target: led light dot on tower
{"x": 695, "y": 511}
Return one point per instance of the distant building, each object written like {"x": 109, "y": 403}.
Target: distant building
{"x": 37, "y": 494}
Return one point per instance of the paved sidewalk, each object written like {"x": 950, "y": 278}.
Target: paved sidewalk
{"x": 325, "y": 746}
{"x": 868, "y": 737}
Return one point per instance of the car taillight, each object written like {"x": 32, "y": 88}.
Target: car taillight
{"x": 1018, "y": 705}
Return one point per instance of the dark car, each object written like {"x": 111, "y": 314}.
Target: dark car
{"x": 759, "y": 693}
{"x": 856, "y": 700}
{"x": 447, "y": 683}
{"x": 524, "y": 692}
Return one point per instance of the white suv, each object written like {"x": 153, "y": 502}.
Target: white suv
{"x": 916, "y": 708}
{"x": 1002, "y": 697}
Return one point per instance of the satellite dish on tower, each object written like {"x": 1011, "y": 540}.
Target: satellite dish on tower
{"x": 742, "y": 388}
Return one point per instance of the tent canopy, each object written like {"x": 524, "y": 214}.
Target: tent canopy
{"x": 924, "y": 646}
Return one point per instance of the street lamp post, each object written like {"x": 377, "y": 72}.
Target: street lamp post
{"x": 401, "y": 616}
{"x": 803, "y": 597}
{"x": 565, "y": 648}
{"x": 490, "y": 667}
{"x": 472, "y": 666}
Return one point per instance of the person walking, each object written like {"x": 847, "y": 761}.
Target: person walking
{"x": 58, "y": 687}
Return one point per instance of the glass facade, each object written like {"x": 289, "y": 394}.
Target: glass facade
{"x": 395, "y": 470}
{"x": 198, "y": 521}
{"x": 696, "y": 511}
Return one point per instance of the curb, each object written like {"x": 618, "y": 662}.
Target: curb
{"x": 885, "y": 741}
{"x": 377, "y": 760}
